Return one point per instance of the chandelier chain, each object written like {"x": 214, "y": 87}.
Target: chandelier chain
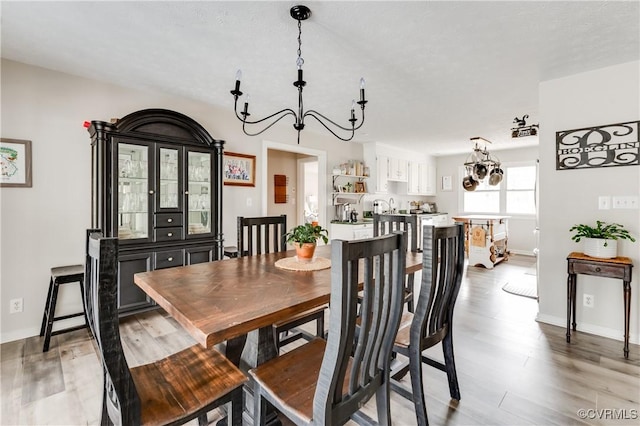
{"x": 300, "y": 61}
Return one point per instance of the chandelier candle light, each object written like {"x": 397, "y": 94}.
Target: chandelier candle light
{"x": 479, "y": 165}
{"x": 299, "y": 13}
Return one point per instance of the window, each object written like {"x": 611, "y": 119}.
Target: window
{"x": 515, "y": 195}
{"x": 521, "y": 187}
{"x": 485, "y": 199}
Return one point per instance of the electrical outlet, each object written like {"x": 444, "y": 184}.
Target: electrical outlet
{"x": 588, "y": 300}
{"x": 15, "y": 305}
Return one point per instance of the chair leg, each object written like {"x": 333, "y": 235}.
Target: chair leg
{"x": 51, "y": 315}
{"x": 415, "y": 366}
{"x": 47, "y": 307}
{"x": 237, "y": 405}
{"x": 320, "y": 327}
{"x": 203, "y": 420}
{"x": 410, "y": 288}
{"x": 259, "y": 407}
{"x": 383, "y": 404}
{"x": 450, "y": 366}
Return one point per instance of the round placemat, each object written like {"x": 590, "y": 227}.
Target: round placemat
{"x": 292, "y": 264}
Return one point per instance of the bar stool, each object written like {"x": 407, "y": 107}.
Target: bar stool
{"x": 61, "y": 275}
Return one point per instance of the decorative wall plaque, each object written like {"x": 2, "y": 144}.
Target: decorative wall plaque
{"x": 601, "y": 146}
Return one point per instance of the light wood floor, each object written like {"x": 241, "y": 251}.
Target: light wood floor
{"x": 512, "y": 370}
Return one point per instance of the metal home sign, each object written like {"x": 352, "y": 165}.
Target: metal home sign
{"x": 602, "y": 146}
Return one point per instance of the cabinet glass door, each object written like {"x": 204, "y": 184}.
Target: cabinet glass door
{"x": 199, "y": 195}
{"x": 169, "y": 172}
{"x": 133, "y": 191}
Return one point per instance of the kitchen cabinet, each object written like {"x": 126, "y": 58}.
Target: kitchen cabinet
{"x": 391, "y": 164}
{"x": 397, "y": 169}
{"x": 351, "y": 231}
{"x": 382, "y": 173}
{"x": 486, "y": 239}
{"x": 157, "y": 187}
{"x": 422, "y": 177}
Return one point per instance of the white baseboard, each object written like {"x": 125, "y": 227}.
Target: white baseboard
{"x": 610, "y": 333}
{"x": 522, "y": 252}
{"x": 19, "y": 334}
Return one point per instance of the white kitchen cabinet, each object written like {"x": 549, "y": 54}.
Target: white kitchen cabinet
{"x": 382, "y": 173}
{"x": 348, "y": 231}
{"x": 397, "y": 169}
{"x": 422, "y": 177}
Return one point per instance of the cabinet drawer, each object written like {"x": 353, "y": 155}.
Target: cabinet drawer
{"x": 168, "y": 234}
{"x": 168, "y": 219}
{"x": 168, "y": 259}
{"x": 599, "y": 270}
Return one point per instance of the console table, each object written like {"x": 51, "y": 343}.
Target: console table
{"x": 618, "y": 267}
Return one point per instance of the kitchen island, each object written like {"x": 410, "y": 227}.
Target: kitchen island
{"x": 485, "y": 239}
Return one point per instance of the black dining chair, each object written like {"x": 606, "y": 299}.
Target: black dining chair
{"x": 327, "y": 382}
{"x": 387, "y": 223}
{"x": 442, "y": 270}
{"x": 257, "y": 235}
{"x": 170, "y": 391}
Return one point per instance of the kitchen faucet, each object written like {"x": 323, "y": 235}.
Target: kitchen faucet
{"x": 384, "y": 201}
{"x": 391, "y": 203}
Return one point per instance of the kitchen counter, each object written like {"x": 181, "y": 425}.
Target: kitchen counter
{"x": 360, "y": 222}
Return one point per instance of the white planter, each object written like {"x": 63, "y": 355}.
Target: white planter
{"x": 595, "y": 247}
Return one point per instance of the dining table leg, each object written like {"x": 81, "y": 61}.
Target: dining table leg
{"x": 247, "y": 352}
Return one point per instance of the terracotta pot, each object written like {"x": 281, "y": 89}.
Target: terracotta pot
{"x": 305, "y": 251}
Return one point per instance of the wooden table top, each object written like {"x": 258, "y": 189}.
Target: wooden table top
{"x": 217, "y": 301}
{"x": 581, "y": 256}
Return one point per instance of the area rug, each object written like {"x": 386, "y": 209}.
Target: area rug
{"x": 525, "y": 286}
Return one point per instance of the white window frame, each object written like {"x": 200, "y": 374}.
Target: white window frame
{"x": 503, "y": 191}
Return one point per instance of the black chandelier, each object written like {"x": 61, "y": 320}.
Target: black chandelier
{"x": 299, "y": 13}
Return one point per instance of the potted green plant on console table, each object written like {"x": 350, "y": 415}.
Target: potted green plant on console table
{"x": 601, "y": 241}
{"x": 304, "y": 239}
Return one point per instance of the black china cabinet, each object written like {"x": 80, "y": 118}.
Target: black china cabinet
{"x": 157, "y": 186}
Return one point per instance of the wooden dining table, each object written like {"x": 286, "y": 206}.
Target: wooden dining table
{"x": 237, "y": 301}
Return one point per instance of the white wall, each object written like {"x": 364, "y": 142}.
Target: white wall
{"x": 567, "y": 197}
{"x": 44, "y": 226}
{"x": 521, "y": 237}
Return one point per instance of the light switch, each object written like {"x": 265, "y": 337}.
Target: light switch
{"x": 604, "y": 202}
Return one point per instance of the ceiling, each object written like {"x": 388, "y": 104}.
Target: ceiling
{"x": 438, "y": 73}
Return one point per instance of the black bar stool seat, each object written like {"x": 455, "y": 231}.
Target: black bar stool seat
{"x": 61, "y": 275}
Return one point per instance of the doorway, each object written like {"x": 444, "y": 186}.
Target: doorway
{"x": 310, "y": 181}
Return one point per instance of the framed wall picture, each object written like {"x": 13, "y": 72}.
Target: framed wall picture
{"x": 15, "y": 163}
{"x": 360, "y": 187}
{"x": 239, "y": 169}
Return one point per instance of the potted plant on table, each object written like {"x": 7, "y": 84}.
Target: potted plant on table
{"x": 601, "y": 240}
{"x": 304, "y": 238}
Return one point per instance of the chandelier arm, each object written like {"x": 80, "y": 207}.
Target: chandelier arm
{"x": 244, "y": 120}
{"x": 244, "y": 123}
{"x": 312, "y": 113}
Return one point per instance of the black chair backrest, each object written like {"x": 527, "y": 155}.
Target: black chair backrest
{"x": 387, "y": 223}
{"x": 257, "y": 235}
{"x": 120, "y": 398}
{"x": 378, "y": 263}
{"x": 442, "y": 270}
